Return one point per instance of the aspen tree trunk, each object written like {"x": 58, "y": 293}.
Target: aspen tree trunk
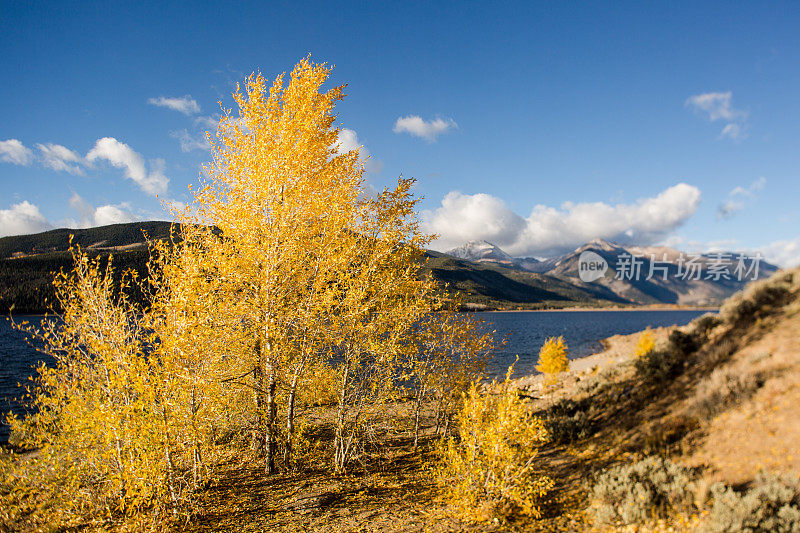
{"x": 269, "y": 423}
{"x": 418, "y": 407}
{"x": 290, "y": 407}
{"x": 339, "y": 445}
{"x": 258, "y": 378}
{"x": 290, "y": 419}
{"x": 170, "y": 464}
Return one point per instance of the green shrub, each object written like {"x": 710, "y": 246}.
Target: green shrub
{"x": 772, "y": 504}
{"x": 703, "y": 324}
{"x": 658, "y": 365}
{"x": 568, "y": 421}
{"x": 683, "y": 343}
{"x": 641, "y": 491}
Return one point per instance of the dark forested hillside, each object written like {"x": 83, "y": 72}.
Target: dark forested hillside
{"x": 26, "y": 283}
{"x": 115, "y": 236}
{"x": 28, "y": 263}
{"x": 495, "y": 286}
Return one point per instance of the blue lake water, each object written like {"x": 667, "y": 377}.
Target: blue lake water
{"x": 524, "y": 331}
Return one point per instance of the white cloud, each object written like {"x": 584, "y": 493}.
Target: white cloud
{"x": 550, "y": 231}
{"x": 191, "y": 142}
{"x": 84, "y": 208}
{"x": 784, "y": 253}
{"x": 211, "y": 121}
{"x": 113, "y": 214}
{"x": 22, "y": 218}
{"x": 735, "y": 201}
{"x": 719, "y": 106}
{"x": 734, "y": 132}
{"x": 428, "y": 130}
{"x": 716, "y": 105}
{"x": 60, "y": 158}
{"x": 14, "y": 152}
{"x": 123, "y": 156}
{"x": 464, "y": 217}
{"x": 348, "y": 141}
{"x": 185, "y": 104}
{"x": 99, "y": 216}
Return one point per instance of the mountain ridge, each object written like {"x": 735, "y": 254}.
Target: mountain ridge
{"x": 487, "y": 276}
{"x": 660, "y": 272}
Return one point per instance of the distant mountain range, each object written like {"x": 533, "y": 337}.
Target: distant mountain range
{"x": 634, "y": 275}
{"x": 488, "y": 277}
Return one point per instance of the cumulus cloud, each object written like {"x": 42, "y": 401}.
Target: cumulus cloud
{"x": 184, "y": 104}
{"x": 123, "y": 156}
{"x": 14, "y": 152}
{"x": 549, "y": 230}
{"x": 99, "y": 216}
{"x": 784, "y": 253}
{"x": 113, "y": 214}
{"x": 428, "y": 130}
{"x": 60, "y": 158}
{"x": 719, "y": 106}
{"x": 736, "y": 199}
{"x": 348, "y": 141}
{"x": 191, "y": 142}
{"x": 22, "y": 218}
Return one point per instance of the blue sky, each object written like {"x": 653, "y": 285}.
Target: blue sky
{"x": 536, "y": 126}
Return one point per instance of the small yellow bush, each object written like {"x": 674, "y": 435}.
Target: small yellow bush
{"x": 646, "y": 343}
{"x": 553, "y": 358}
{"x": 490, "y": 471}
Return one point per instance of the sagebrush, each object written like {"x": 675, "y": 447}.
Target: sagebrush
{"x": 771, "y": 504}
{"x": 638, "y": 492}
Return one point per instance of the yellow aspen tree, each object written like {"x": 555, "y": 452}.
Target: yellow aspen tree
{"x": 189, "y": 356}
{"x": 281, "y": 198}
{"x": 381, "y": 297}
{"x": 93, "y": 420}
{"x": 489, "y": 472}
{"x": 645, "y": 343}
{"x": 553, "y": 358}
{"x": 312, "y": 272}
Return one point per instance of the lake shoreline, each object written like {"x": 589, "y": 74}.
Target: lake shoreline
{"x": 604, "y": 309}
{"x": 616, "y": 349}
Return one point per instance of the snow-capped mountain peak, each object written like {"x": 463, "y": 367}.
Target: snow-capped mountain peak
{"x": 480, "y": 251}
